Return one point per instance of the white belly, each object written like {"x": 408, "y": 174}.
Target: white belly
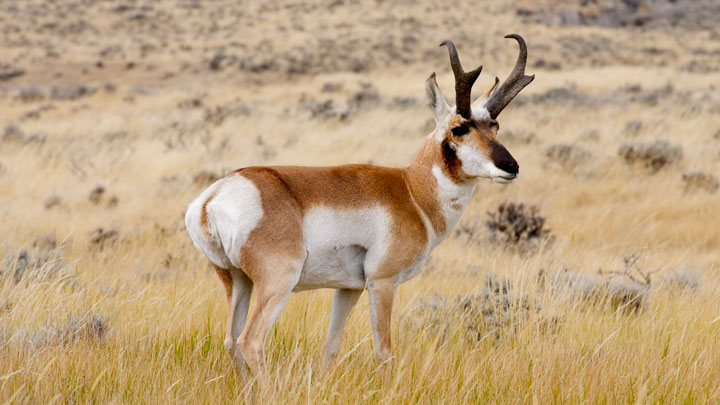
{"x": 343, "y": 246}
{"x": 336, "y": 267}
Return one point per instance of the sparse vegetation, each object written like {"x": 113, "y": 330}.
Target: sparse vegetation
{"x": 652, "y": 156}
{"x": 103, "y": 298}
{"x": 697, "y": 181}
{"x": 567, "y": 156}
{"x": 496, "y": 311}
{"x": 515, "y": 225}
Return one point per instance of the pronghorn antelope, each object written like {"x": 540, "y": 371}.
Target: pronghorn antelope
{"x": 285, "y": 228}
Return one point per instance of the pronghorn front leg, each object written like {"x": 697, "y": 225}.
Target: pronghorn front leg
{"x": 343, "y": 303}
{"x": 381, "y": 294}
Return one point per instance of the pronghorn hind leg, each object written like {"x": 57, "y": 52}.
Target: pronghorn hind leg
{"x": 381, "y": 293}
{"x": 343, "y": 303}
{"x": 271, "y": 295}
{"x": 238, "y": 289}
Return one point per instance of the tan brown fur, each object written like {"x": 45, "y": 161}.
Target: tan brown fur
{"x": 226, "y": 279}
{"x": 204, "y": 217}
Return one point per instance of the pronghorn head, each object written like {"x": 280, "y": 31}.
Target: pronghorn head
{"x": 467, "y": 132}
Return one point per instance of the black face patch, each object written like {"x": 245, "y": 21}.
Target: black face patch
{"x": 450, "y": 158}
{"x": 460, "y": 130}
{"x": 503, "y": 159}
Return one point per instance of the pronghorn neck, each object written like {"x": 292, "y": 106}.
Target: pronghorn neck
{"x": 438, "y": 187}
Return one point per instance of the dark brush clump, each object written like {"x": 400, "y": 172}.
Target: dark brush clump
{"x": 652, "y": 156}
{"x": 89, "y": 327}
{"x": 44, "y": 260}
{"x": 516, "y": 225}
{"x": 696, "y": 181}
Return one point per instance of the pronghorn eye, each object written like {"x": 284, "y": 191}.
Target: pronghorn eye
{"x": 460, "y": 131}
{"x": 494, "y": 124}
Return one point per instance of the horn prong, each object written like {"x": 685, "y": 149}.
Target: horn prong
{"x": 515, "y": 82}
{"x": 463, "y": 80}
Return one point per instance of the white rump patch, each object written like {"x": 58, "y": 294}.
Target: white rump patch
{"x": 234, "y": 210}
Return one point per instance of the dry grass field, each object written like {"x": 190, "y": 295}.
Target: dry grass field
{"x": 115, "y": 115}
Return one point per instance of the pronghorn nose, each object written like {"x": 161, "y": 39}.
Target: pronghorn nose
{"x": 503, "y": 159}
{"x": 511, "y": 166}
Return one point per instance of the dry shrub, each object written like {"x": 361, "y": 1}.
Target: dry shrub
{"x": 364, "y": 98}
{"x": 324, "y": 110}
{"x": 8, "y": 72}
{"x": 13, "y": 133}
{"x": 102, "y": 237}
{"x": 619, "y": 294}
{"x": 216, "y": 115}
{"x": 495, "y": 311}
{"x": 697, "y": 181}
{"x": 204, "y": 178}
{"x": 633, "y": 128}
{"x": 88, "y": 327}
{"x": 52, "y": 201}
{"x": 624, "y": 291}
{"x": 71, "y": 92}
{"x": 698, "y": 14}
{"x": 517, "y": 226}
{"x": 96, "y": 194}
{"x": 44, "y": 260}
{"x": 652, "y": 156}
{"x": 518, "y": 136}
{"x": 567, "y": 156}
{"x": 682, "y": 280}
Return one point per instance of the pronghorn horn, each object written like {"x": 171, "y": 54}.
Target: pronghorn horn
{"x": 463, "y": 81}
{"x": 513, "y": 84}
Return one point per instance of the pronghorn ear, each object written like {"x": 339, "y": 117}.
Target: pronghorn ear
{"x": 435, "y": 100}
{"x": 478, "y": 106}
{"x": 481, "y": 100}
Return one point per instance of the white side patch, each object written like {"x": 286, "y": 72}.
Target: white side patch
{"x": 343, "y": 246}
{"x": 453, "y": 198}
{"x": 234, "y": 210}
